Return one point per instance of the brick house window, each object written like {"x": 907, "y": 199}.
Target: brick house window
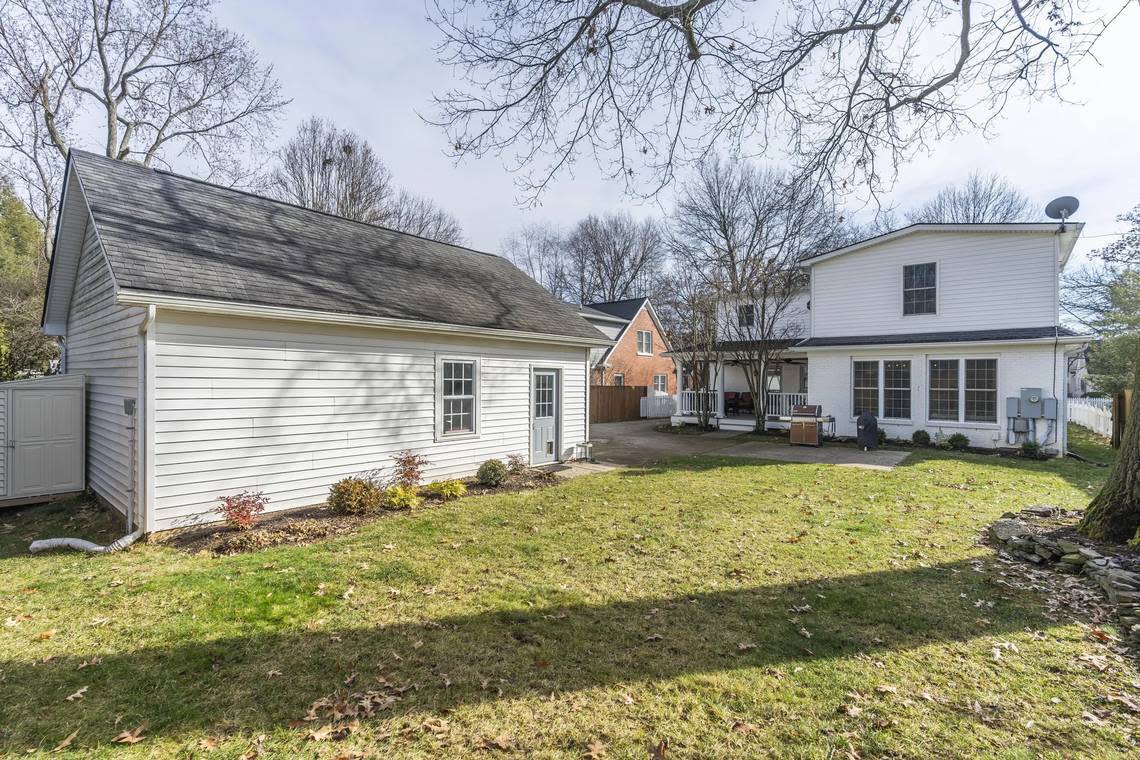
{"x": 645, "y": 342}
{"x": 661, "y": 383}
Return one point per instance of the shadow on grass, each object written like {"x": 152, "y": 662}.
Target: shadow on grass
{"x": 185, "y": 688}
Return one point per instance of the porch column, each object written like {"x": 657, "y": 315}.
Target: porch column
{"x": 720, "y": 389}
{"x": 677, "y": 391}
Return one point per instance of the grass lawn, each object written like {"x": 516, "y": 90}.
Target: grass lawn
{"x": 726, "y": 607}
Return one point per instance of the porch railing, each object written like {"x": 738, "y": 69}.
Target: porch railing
{"x": 691, "y": 402}
{"x": 781, "y": 403}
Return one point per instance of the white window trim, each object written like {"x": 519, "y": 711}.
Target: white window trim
{"x": 962, "y": 422}
{"x": 476, "y": 420}
{"x": 665, "y": 376}
{"x": 937, "y": 288}
{"x": 650, "y": 341}
{"x": 614, "y": 377}
{"x": 882, "y": 390}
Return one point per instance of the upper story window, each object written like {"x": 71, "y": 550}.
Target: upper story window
{"x": 645, "y": 342}
{"x": 920, "y": 289}
{"x": 458, "y": 382}
{"x": 746, "y": 315}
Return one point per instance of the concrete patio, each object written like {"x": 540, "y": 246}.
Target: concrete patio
{"x": 639, "y": 443}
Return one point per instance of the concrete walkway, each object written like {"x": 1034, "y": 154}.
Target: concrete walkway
{"x": 638, "y": 443}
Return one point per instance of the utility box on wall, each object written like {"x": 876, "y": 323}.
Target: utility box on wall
{"x": 1031, "y": 405}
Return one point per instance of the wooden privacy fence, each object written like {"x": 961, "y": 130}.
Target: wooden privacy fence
{"x": 616, "y": 403}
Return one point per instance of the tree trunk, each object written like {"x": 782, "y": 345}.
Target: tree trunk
{"x": 1114, "y": 514}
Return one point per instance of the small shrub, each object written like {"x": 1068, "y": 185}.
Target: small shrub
{"x": 1031, "y": 449}
{"x": 959, "y": 441}
{"x": 882, "y": 436}
{"x": 516, "y": 464}
{"x": 446, "y": 489}
{"x": 409, "y": 469}
{"x": 492, "y": 473}
{"x": 239, "y": 511}
{"x": 920, "y": 438}
{"x": 356, "y": 496}
{"x": 401, "y": 497}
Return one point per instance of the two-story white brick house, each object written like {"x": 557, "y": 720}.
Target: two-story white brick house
{"x": 940, "y": 327}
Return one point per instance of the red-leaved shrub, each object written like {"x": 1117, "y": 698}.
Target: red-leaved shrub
{"x": 408, "y": 469}
{"x": 239, "y": 511}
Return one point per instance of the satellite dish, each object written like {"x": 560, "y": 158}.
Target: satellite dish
{"x": 1062, "y": 208}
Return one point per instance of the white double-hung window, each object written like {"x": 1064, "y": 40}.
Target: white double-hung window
{"x": 645, "y": 342}
{"x": 457, "y": 396}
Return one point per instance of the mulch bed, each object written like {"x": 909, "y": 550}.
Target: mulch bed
{"x": 305, "y": 525}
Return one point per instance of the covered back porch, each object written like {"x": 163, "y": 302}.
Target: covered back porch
{"x": 732, "y": 404}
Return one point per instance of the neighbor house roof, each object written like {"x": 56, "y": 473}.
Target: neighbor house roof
{"x": 960, "y": 336}
{"x": 1067, "y": 235}
{"x": 622, "y": 311}
{"x": 172, "y": 235}
{"x": 625, "y": 309}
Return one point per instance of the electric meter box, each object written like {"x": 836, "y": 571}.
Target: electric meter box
{"x": 1031, "y": 405}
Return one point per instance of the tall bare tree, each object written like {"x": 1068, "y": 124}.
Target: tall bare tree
{"x": 745, "y": 233}
{"x": 844, "y": 89}
{"x": 691, "y": 312}
{"x": 421, "y": 216}
{"x": 538, "y": 249}
{"x": 335, "y": 170}
{"x": 161, "y": 78}
{"x": 983, "y": 198}
{"x": 613, "y": 256}
{"x": 332, "y": 170}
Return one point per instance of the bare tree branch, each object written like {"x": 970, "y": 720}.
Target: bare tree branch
{"x": 843, "y": 90}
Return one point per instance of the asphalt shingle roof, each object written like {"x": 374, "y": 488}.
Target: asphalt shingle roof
{"x": 175, "y": 235}
{"x": 961, "y": 336}
{"x": 626, "y": 309}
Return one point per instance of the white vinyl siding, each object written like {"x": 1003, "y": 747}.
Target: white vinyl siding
{"x": 984, "y": 281}
{"x": 102, "y": 343}
{"x": 4, "y": 440}
{"x": 1017, "y": 367}
{"x": 289, "y": 408}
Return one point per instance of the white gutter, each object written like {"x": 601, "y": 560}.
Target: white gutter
{"x": 1075, "y": 339}
{"x": 204, "y": 305}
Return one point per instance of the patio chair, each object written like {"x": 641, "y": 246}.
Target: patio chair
{"x": 746, "y": 402}
{"x": 731, "y": 402}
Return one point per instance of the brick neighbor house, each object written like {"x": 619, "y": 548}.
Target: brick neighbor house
{"x": 637, "y": 357}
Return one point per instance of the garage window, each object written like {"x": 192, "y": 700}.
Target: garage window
{"x": 458, "y": 396}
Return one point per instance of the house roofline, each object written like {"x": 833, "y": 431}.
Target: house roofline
{"x": 130, "y": 297}
{"x": 1070, "y": 236}
{"x": 1046, "y": 341}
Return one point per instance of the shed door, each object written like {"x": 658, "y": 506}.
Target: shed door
{"x": 45, "y": 441}
{"x": 544, "y": 424}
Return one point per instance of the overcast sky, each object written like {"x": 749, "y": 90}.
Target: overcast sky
{"x": 371, "y": 67}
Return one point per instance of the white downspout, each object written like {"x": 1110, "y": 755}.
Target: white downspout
{"x": 137, "y": 478}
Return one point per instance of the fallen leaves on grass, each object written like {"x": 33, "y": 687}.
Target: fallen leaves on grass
{"x": 48, "y": 634}
{"x": 595, "y": 751}
{"x": 658, "y": 751}
{"x": 134, "y": 736}
{"x": 78, "y": 695}
{"x": 66, "y": 742}
{"x": 208, "y": 744}
{"x": 501, "y": 742}
{"x": 90, "y": 663}
{"x": 745, "y": 646}
{"x": 745, "y": 728}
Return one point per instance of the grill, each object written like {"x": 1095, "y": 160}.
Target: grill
{"x": 805, "y": 425}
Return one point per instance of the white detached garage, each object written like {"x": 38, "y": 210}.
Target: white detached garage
{"x": 274, "y": 348}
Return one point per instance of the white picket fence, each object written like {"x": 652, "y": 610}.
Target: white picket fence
{"x": 1092, "y": 413}
{"x": 657, "y": 406}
